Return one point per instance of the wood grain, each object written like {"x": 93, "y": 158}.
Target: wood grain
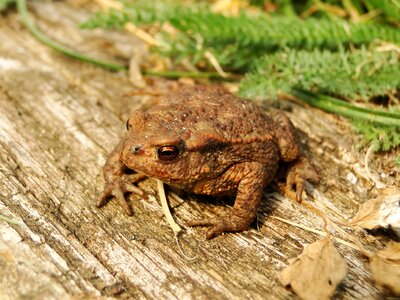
{"x": 59, "y": 119}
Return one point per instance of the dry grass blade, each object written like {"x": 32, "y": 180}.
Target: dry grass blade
{"x": 385, "y": 268}
{"x": 164, "y": 203}
{"x": 320, "y": 233}
{"x": 141, "y": 34}
{"x": 8, "y": 220}
{"x": 170, "y": 219}
{"x": 316, "y": 272}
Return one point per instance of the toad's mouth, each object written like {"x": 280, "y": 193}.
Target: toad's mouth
{"x": 162, "y": 172}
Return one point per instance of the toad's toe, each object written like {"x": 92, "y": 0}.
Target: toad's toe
{"x": 218, "y": 226}
{"x": 117, "y": 191}
{"x": 298, "y": 173}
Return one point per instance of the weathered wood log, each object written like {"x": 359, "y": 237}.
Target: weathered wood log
{"x": 60, "y": 118}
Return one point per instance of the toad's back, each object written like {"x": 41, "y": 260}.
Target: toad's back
{"x": 236, "y": 119}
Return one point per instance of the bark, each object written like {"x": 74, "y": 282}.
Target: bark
{"x": 60, "y": 118}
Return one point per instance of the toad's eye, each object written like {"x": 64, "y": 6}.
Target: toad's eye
{"x": 167, "y": 153}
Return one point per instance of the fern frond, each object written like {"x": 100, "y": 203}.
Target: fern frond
{"x": 235, "y": 41}
{"x": 384, "y": 137}
{"x": 360, "y": 74}
{"x": 141, "y": 12}
{"x": 285, "y": 7}
{"x": 390, "y": 8}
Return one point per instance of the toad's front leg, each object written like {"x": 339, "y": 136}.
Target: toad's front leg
{"x": 119, "y": 181}
{"x": 250, "y": 179}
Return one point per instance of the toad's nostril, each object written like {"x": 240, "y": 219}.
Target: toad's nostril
{"x": 136, "y": 149}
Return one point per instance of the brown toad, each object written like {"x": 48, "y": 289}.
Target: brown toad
{"x": 208, "y": 142}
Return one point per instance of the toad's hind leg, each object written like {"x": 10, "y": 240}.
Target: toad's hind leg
{"x": 300, "y": 168}
{"x": 286, "y": 137}
{"x": 250, "y": 179}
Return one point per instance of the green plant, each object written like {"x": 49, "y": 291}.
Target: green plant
{"x": 21, "y": 6}
{"x": 378, "y": 127}
{"x": 237, "y": 41}
{"x": 389, "y": 8}
{"x": 353, "y": 75}
{"x": 383, "y": 136}
{"x": 5, "y": 3}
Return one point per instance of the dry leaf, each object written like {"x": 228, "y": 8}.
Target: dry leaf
{"x": 135, "y": 72}
{"x": 316, "y": 272}
{"x": 383, "y": 211}
{"x": 385, "y": 268}
{"x": 106, "y": 5}
{"x": 229, "y": 7}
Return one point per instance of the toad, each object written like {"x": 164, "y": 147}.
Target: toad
{"x": 209, "y": 142}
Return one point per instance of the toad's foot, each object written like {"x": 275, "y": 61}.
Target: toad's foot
{"x": 118, "y": 187}
{"x": 298, "y": 173}
{"x": 218, "y": 226}
{"x": 251, "y": 178}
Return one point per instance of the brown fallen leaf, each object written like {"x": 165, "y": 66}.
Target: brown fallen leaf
{"x": 135, "y": 72}
{"x": 316, "y": 272}
{"x": 385, "y": 268}
{"x": 383, "y": 211}
{"x": 228, "y": 7}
